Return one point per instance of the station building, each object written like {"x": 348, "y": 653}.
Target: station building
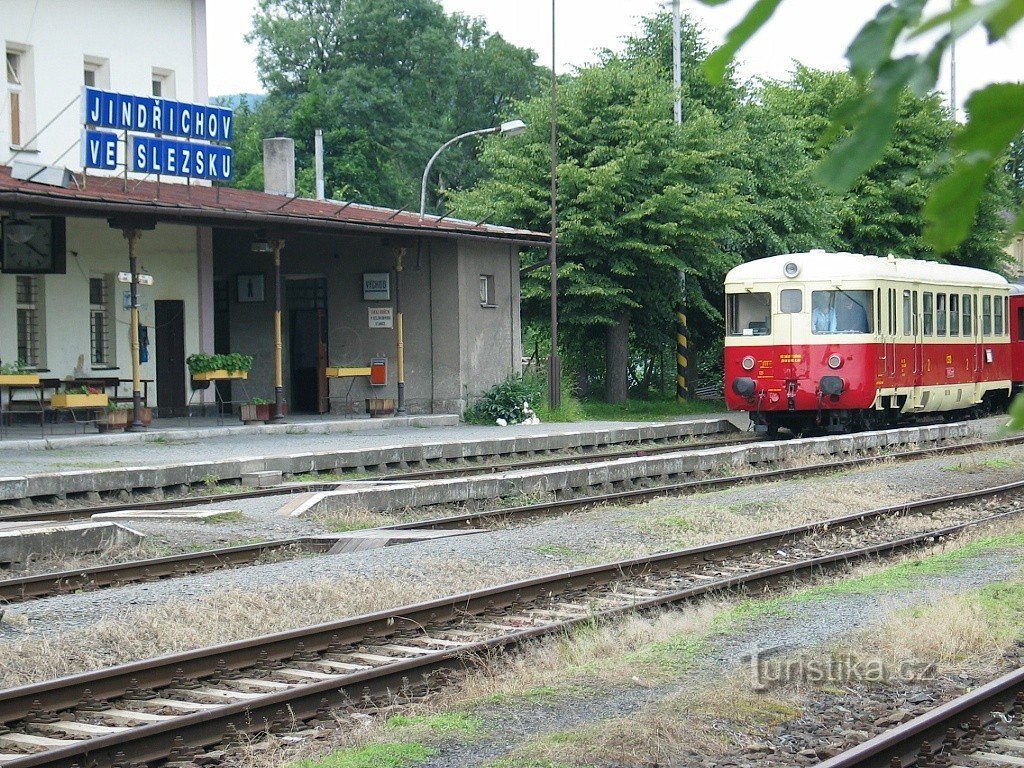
{"x": 342, "y": 265}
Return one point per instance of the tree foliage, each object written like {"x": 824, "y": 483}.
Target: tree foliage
{"x": 387, "y": 81}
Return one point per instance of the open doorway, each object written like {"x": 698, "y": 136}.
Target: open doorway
{"x": 307, "y": 307}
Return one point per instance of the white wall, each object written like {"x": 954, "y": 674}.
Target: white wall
{"x": 168, "y": 253}
{"x": 135, "y": 37}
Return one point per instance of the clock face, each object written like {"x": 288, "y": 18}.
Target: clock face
{"x": 42, "y": 253}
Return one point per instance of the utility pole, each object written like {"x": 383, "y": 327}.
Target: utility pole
{"x": 682, "y": 352}
{"x": 555, "y": 361}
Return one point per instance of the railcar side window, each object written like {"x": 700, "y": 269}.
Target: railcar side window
{"x": 791, "y": 301}
{"x": 842, "y": 312}
{"x": 908, "y": 328}
{"x": 968, "y": 316}
{"x": 999, "y": 315}
{"x": 954, "y": 314}
{"x": 927, "y": 314}
{"x": 749, "y": 314}
{"x": 940, "y": 314}
{"x": 986, "y": 315}
{"x": 892, "y": 311}
{"x": 1020, "y": 324}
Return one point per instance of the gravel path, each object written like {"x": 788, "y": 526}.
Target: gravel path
{"x": 500, "y": 555}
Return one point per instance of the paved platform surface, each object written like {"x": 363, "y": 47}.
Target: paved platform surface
{"x": 215, "y": 447}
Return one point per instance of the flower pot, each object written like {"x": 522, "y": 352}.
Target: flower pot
{"x": 113, "y": 421}
{"x": 61, "y": 400}
{"x": 219, "y": 375}
{"x": 380, "y": 406}
{"x": 18, "y": 379}
{"x": 255, "y": 413}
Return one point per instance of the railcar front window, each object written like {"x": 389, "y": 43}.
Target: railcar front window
{"x": 842, "y": 311}
{"x": 954, "y": 314}
{"x": 927, "y": 314}
{"x": 791, "y": 301}
{"x": 907, "y": 314}
{"x": 998, "y": 306}
{"x": 749, "y": 314}
{"x": 968, "y": 324}
{"x": 940, "y": 314}
{"x": 986, "y": 315}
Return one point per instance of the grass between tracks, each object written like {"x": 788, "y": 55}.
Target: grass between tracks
{"x": 710, "y": 714}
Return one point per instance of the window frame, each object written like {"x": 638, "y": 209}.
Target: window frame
{"x": 488, "y": 290}
{"x": 29, "y": 321}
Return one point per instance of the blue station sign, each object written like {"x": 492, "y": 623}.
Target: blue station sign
{"x": 183, "y": 138}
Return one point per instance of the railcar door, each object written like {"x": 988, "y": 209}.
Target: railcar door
{"x": 918, "y": 350}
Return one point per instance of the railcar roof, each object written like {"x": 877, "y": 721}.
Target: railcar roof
{"x": 832, "y": 267}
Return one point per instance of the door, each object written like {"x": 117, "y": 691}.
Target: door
{"x": 917, "y": 349}
{"x": 308, "y": 344}
{"x": 222, "y": 331}
{"x": 169, "y": 316}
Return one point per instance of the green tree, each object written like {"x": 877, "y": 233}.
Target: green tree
{"x": 639, "y": 199}
{"x": 388, "y": 81}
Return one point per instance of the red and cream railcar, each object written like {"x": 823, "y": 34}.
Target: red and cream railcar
{"x": 843, "y": 341}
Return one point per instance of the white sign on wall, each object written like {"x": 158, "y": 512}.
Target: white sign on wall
{"x": 381, "y": 317}
{"x": 376, "y": 286}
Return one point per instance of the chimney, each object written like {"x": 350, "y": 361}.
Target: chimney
{"x": 279, "y": 166}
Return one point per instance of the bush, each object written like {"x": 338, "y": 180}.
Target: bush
{"x": 505, "y": 401}
{"x": 203, "y": 363}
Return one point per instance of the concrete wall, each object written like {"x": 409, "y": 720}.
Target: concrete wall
{"x": 492, "y": 345}
{"x": 168, "y": 253}
{"x": 453, "y": 346}
{"x": 130, "y": 38}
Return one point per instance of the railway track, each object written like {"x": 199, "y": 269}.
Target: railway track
{"x": 76, "y": 513}
{"x": 20, "y": 589}
{"x": 168, "y": 707}
{"x": 982, "y": 728}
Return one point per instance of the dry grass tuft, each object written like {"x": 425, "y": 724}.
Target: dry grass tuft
{"x": 232, "y": 614}
{"x": 352, "y": 519}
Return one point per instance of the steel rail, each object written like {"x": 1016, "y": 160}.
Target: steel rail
{"x": 148, "y": 742}
{"x": 904, "y": 742}
{"x": 24, "y": 588}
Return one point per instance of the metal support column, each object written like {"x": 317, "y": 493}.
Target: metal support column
{"x": 400, "y": 331}
{"x": 555, "y": 361}
{"x": 132, "y": 236}
{"x": 278, "y": 343}
{"x": 682, "y": 352}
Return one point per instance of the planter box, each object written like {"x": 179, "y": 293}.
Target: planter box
{"x": 114, "y": 421}
{"x": 255, "y": 413}
{"x": 79, "y": 401}
{"x": 18, "y": 380}
{"x": 220, "y": 375}
{"x": 380, "y": 406}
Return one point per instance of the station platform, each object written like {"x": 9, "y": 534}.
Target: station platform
{"x": 173, "y": 459}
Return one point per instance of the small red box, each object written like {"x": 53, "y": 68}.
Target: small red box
{"x": 378, "y": 371}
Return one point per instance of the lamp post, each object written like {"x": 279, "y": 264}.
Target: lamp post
{"x": 508, "y": 128}
{"x": 555, "y": 360}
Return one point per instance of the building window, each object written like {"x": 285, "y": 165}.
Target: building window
{"x": 96, "y": 72}
{"x": 30, "y": 317}
{"x": 163, "y": 83}
{"x": 487, "y": 298}
{"x": 101, "y": 326}
{"x": 16, "y": 97}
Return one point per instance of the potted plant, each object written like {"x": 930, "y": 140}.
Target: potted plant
{"x": 17, "y": 374}
{"x": 115, "y": 419}
{"x": 79, "y": 397}
{"x": 203, "y": 367}
{"x": 256, "y": 411}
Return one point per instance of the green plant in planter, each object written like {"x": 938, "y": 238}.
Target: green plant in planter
{"x": 200, "y": 362}
{"x": 66, "y": 390}
{"x": 17, "y": 368}
{"x": 260, "y": 401}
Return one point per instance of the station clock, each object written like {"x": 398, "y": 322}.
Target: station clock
{"x": 33, "y": 245}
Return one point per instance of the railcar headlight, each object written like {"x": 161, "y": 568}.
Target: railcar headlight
{"x": 748, "y": 363}
{"x": 791, "y": 269}
{"x": 835, "y": 361}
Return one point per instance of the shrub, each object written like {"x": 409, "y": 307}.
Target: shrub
{"x": 505, "y": 401}
{"x": 203, "y": 363}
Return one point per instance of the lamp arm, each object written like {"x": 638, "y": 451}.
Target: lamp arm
{"x": 442, "y": 148}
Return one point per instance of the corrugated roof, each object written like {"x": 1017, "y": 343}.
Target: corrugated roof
{"x": 99, "y": 196}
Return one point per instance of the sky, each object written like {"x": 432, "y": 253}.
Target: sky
{"x": 814, "y": 32}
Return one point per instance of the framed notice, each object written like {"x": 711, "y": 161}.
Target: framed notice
{"x": 376, "y": 286}
{"x": 250, "y": 289}
{"x": 381, "y": 317}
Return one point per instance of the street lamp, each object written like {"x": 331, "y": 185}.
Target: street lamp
{"x": 508, "y": 128}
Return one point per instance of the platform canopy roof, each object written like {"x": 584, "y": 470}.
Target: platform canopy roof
{"x": 195, "y": 205}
